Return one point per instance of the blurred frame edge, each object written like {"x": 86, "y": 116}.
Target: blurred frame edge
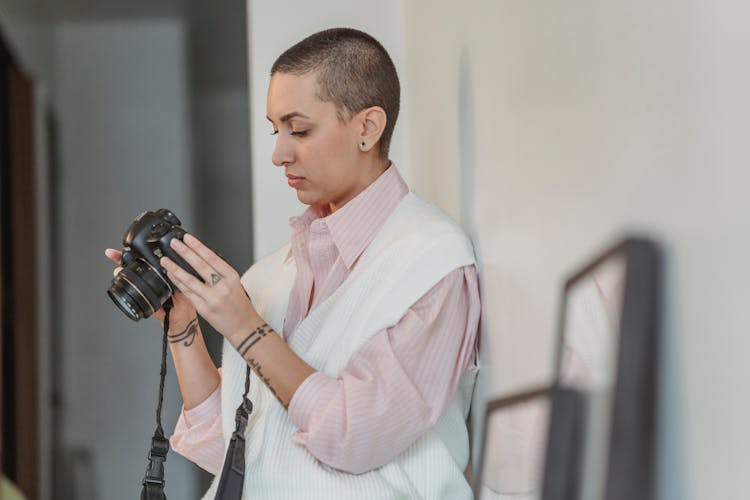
{"x": 493, "y": 406}
{"x": 630, "y": 468}
{"x": 630, "y": 471}
{"x": 561, "y": 477}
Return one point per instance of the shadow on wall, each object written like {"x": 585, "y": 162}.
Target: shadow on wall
{"x": 467, "y": 146}
{"x": 467, "y": 158}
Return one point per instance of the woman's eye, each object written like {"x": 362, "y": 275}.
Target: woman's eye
{"x": 275, "y": 132}
{"x": 299, "y": 133}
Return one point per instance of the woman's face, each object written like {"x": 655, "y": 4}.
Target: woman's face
{"x": 319, "y": 153}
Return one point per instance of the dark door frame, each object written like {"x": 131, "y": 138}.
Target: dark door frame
{"x": 19, "y": 417}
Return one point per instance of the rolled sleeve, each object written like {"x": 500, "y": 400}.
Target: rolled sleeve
{"x": 198, "y": 435}
{"x": 395, "y": 387}
{"x": 309, "y": 396}
{"x": 204, "y": 412}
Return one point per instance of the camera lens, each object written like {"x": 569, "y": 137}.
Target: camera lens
{"x": 139, "y": 290}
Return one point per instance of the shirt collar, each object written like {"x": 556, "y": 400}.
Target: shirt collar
{"x": 354, "y": 225}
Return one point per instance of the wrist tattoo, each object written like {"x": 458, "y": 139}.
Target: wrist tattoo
{"x": 259, "y": 371}
{"x": 187, "y": 335}
{"x": 252, "y": 339}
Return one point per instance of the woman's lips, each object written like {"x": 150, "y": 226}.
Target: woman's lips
{"x": 294, "y": 181}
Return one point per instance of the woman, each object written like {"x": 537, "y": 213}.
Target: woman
{"x": 361, "y": 332}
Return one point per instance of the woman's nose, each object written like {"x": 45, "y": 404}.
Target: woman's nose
{"x": 282, "y": 154}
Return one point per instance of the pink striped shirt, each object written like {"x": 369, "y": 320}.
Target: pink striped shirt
{"x": 392, "y": 389}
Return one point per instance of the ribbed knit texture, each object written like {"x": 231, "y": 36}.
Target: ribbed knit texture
{"x": 416, "y": 248}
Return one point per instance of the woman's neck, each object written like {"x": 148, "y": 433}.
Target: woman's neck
{"x": 372, "y": 168}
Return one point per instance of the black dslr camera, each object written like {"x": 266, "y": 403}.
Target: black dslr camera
{"x": 142, "y": 287}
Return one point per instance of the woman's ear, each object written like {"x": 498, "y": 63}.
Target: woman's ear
{"x": 373, "y": 121}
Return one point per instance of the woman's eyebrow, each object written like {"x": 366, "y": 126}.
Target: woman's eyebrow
{"x": 289, "y": 116}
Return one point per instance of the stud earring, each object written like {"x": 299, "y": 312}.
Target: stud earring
{"x": 362, "y": 145}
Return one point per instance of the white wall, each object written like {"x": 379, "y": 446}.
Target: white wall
{"x": 588, "y": 120}
{"x": 274, "y": 27}
{"x": 123, "y": 103}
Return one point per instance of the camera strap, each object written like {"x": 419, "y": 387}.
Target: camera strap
{"x": 153, "y": 482}
{"x": 233, "y": 474}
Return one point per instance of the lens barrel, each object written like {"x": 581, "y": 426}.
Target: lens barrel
{"x": 139, "y": 290}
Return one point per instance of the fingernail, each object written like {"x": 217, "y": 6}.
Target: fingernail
{"x": 189, "y": 238}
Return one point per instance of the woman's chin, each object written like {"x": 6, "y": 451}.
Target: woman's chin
{"x": 322, "y": 208}
{"x": 304, "y": 197}
{"x": 307, "y": 199}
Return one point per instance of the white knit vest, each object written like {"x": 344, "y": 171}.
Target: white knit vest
{"x": 417, "y": 246}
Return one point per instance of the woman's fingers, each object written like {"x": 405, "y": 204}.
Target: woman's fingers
{"x": 113, "y": 255}
{"x": 175, "y": 272}
{"x": 192, "y": 258}
{"x": 208, "y": 255}
{"x": 116, "y": 257}
{"x": 181, "y": 278}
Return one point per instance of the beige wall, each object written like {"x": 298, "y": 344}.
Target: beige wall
{"x": 587, "y": 120}
{"x": 435, "y": 38}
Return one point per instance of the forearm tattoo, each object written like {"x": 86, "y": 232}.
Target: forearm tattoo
{"x": 187, "y": 335}
{"x": 252, "y": 339}
{"x": 259, "y": 371}
{"x": 244, "y": 347}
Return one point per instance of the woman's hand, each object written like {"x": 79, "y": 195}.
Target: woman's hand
{"x": 181, "y": 314}
{"x": 221, "y": 299}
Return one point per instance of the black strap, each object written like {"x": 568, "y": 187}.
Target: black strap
{"x": 153, "y": 482}
{"x": 233, "y": 474}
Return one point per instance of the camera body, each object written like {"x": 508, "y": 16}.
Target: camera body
{"x": 148, "y": 238}
{"x": 142, "y": 287}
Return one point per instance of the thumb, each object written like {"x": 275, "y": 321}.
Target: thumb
{"x": 113, "y": 255}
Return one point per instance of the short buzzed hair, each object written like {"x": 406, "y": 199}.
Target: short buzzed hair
{"x": 353, "y": 70}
